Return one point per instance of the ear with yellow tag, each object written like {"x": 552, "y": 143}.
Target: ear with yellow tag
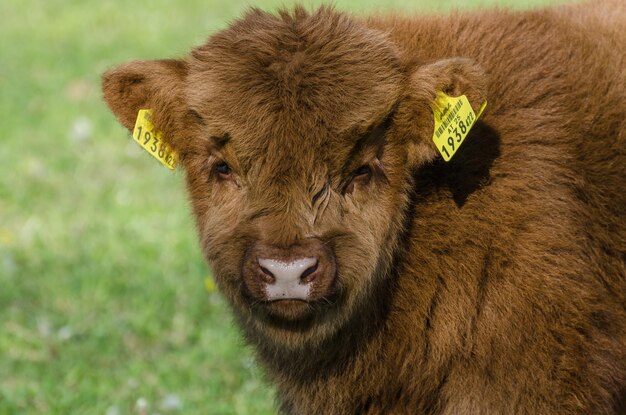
{"x": 442, "y": 96}
{"x": 148, "y": 98}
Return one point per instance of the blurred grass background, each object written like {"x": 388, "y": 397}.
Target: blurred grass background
{"x": 102, "y": 303}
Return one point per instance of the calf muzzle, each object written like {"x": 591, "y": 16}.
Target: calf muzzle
{"x": 303, "y": 272}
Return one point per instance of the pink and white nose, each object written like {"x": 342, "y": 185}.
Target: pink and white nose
{"x": 288, "y": 280}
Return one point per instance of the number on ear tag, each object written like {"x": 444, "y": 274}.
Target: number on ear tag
{"x": 454, "y": 117}
{"x": 150, "y": 139}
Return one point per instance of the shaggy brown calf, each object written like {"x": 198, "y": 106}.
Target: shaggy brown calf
{"x": 372, "y": 276}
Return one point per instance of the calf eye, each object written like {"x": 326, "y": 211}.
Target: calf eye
{"x": 223, "y": 170}
{"x": 361, "y": 175}
{"x": 363, "y": 171}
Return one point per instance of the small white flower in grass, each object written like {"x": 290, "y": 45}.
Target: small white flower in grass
{"x": 171, "y": 403}
{"x": 113, "y": 410}
{"x": 142, "y": 406}
{"x": 122, "y": 197}
{"x": 65, "y": 333}
{"x": 250, "y": 386}
{"x": 247, "y": 362}
{"x": 35, "y": 168}
{"x": 44, "y": 327}
{"x": 81, "y": 130}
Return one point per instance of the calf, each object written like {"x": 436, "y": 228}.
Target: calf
{"x": 371, "y": 275}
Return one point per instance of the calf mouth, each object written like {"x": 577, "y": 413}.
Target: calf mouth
{"x": 289, "y": 309}
{"x": 296, "y": 314}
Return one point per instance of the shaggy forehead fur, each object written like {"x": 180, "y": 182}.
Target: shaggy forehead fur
{"x": 293, "y": 81}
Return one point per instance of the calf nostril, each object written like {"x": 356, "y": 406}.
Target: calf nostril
{"x": 308, "y": 272}
{"x": 291, "y": 271}
{"x": 267, "y": 275}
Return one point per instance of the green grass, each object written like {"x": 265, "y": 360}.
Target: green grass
{"x": 101, "y": 280}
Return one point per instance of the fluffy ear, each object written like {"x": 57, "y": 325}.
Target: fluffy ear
{"x": 156, "y": 85}
{"x": 455, "y": 77}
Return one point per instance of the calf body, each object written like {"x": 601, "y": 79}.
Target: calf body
{"x": 370, "y": 275}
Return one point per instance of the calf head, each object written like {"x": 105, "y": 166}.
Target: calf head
{"x": 298, "y": 134}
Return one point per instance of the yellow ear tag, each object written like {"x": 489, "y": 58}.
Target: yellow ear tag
{"x": 150, "y": 139}
{"x": 454, "y": 117}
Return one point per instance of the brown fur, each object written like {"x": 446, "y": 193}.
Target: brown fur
{"x": 495, "y": 283}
